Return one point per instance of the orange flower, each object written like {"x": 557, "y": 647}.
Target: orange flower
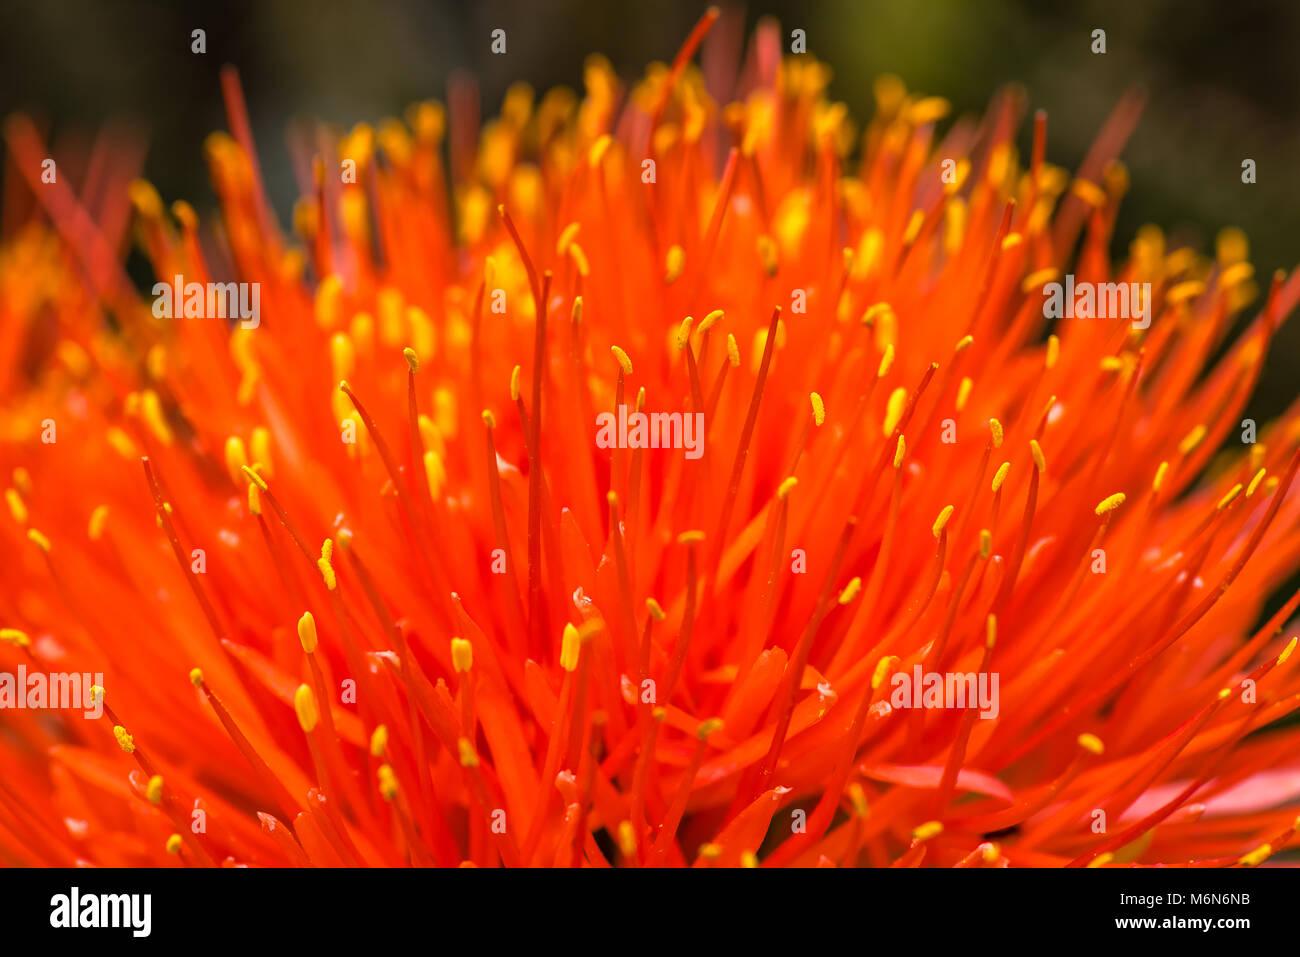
{"x": 427, "y": 616}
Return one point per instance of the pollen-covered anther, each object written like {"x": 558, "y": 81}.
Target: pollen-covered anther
{"x": 462, "y": 655}
{"x": 1040, "y": 461}
{"x": 468, "y": 756}
{"x": 304, "y": 706}
{"x": 1091, "y": 743}
{"x": 786, "y": 487}
{"x": 851, "y": 590}
{"x": 995, "y": 432}
{"x": 623, "y": 361}
{"x": 1229, "y": 497}
{"x": 818, "y": 407}
{"x": 1110, "y": 503}
{"x": 388, "y": 782}
{"x": 707, "y": 727}
{"x": 379, "y": 741}
{"x": 942, "y": 521}
{"x": 15, "y": 637}
{"x": 124, "y": 740}
{"x": 691, "y": 537}
{"x": 154, "y": 790}
{"x": 923, "y": 832}
{"x": 325, "y": 565}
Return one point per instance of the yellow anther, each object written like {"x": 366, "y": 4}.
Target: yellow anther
{"x": 708, "y": 727}
{"x": 1256, "y": 857}
{"x": 655, "y": 610}
{"x": 598, "y": 150}
{"x": 1040, "y": 462}
{"x": 1286, "y": 652}
{"x": 323, "y": 564}
{"x": 858, "y": 797}
{"x": 709, "y": 320}
{"x": 412, "y": 360}
{"x": 1102, "y": 859}
{"x": 1089, "y": 192}
{"x": 38, "y": 539}
{"x": 995, "y": 430}
{"x": 1228, "y": 498}
{"x": 986, "y": 543}
{"x": 767, "y": 254}
{"x": 304, "y": 705}
{"x": 1038, "y": 279}
{"x": 963, "y": 392}
{"x": 964, "y": 343}
{"x": 748, "y": 859}
{"x": 254, "y": 500}
{"x": 1159, "y": 480}
{"x": 1012, "y": 240}
{"x": 626, "y": 838}
{"x": 674, "y": 263}
{"x": 818, "y": 407}
{"x": 514, "y": 384}
{"x": 937, "y": 528}
{"x": 124, "y": 740}
{"x": 923, "y": 832}
{"x": 253, "y": 477}
{"x": 785, "y": 487}
{"x": 894, "y": 411}
{"x": 462, "y": 655}
{"x": 1184, "y": 291}
{"x": 1091, "y": 743}
{"x": 489, "y": 419}
{"x": 12, "y": 636}
{"x": 1254, "y": 482}
{"x": 307, "y": 632}
{"x": 468, "y": 757}
{"x": 710, "y": 852}
{"x": 196, "y": 677}
{"x": 1000, "y": 475}
{"x": 379, "y": 741}
{"x": 236, "y": 457}
{"x": 928, "y": 110}
{"x": 900, "y": 450}
{"x": 683, "y": 335}
{"x": 1191, "y": 440}
{"x": 623, "y": 361}
{"x": 1110, "y": 503}
{"x": 692, "y": 537}
{"x": 851, "y": 590}
{"x": 733, "y": 351}
{"x": 579, "y": 258}
{"x": 387, "y": 782}
{"x": 883, "y": 668}
{"x": 570, "y": 645}
{"x": 154, "y": 790}
{"x": 174, "y": 844}
{"x": 886, "y": 361}
{"x": 991, "y": 630}
{"x": 567, "y": 236}
{"x": 990, "y": 852}
{"x": 1053, "y": 351}
{"x": 152, "y": 412}
{"x": 1235, "y": 275}
{"x": 16, "y": 507}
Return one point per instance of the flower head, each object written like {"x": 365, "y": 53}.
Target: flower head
{"x": 426, "y": 617}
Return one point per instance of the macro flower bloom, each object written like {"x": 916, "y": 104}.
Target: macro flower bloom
{"x": 365, "y": 589}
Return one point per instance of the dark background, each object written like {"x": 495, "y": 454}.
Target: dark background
{"x": 1222, "y": 80}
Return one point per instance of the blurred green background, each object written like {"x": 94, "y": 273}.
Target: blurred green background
{"x": 1222, "y": 81}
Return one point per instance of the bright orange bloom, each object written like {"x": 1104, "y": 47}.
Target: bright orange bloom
{"x": 378, "y": 595}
